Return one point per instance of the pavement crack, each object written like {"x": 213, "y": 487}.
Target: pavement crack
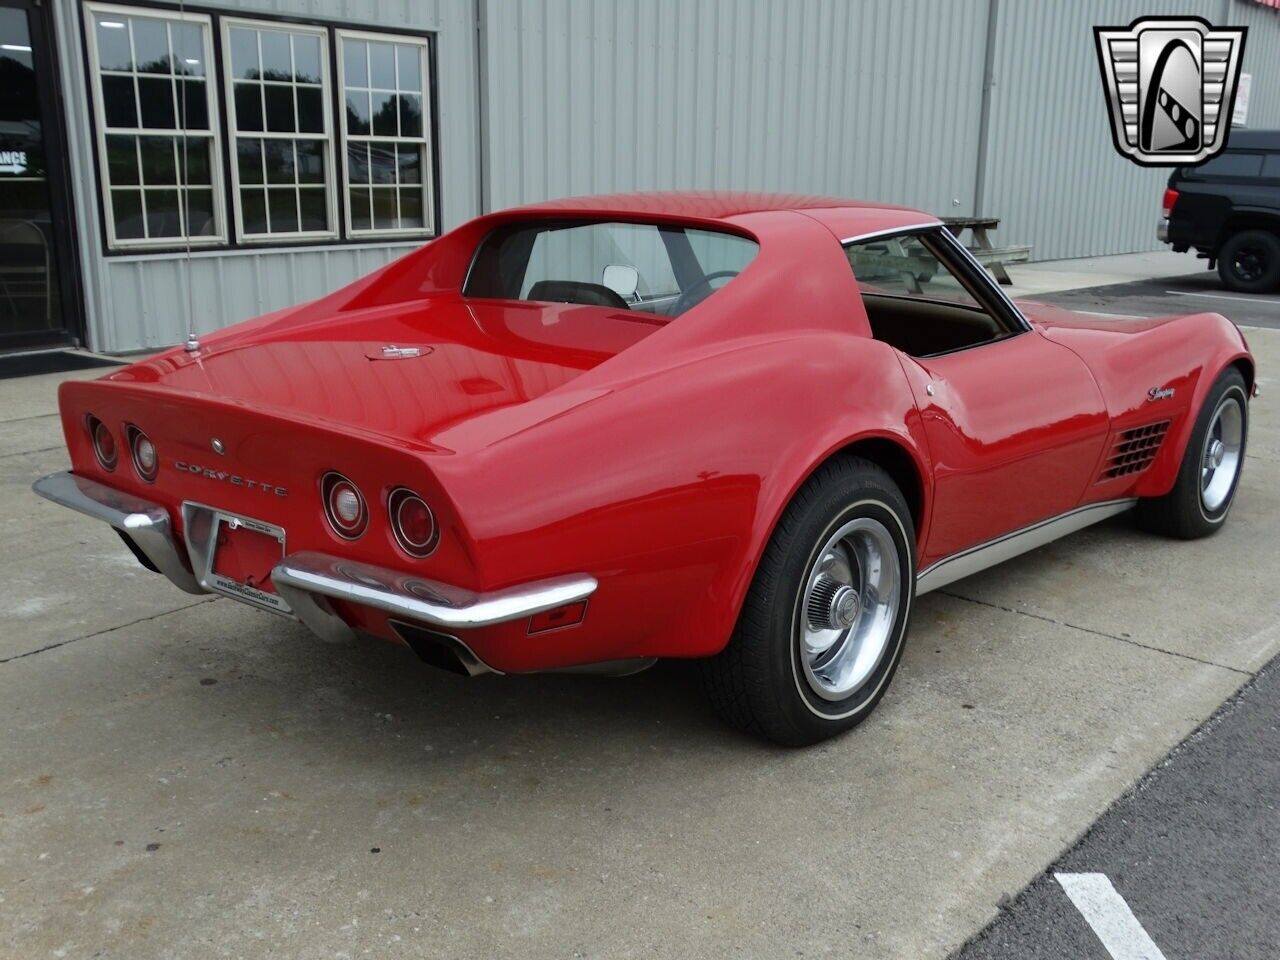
{"x": 37, "y": 416}
{"x": 1096, "y": 633}
{"x": 27, "y": 453}
{"x": 99, "y": 633}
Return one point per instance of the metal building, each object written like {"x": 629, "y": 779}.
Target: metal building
{"x": 168, "y": 166}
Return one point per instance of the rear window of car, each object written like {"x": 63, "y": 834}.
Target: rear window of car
{"x": 1227, "y": 165}
{"x": 662, "y": 269}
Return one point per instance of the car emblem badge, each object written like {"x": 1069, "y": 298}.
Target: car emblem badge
{"x": 235, "y": 479}
{"x": 1160, "y": 393}
{"x": 1171, "y": 87}
{"x": 218, "y": 447}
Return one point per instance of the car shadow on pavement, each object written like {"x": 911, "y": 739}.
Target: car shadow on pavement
{"x": 369, "y": 702}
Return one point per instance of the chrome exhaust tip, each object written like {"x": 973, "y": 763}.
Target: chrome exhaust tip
{"x": 441, "y": 650}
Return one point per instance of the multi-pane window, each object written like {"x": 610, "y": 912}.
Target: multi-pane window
{"x": 278, "y": 110}
{"x": 157, "y": 125}
{"x": 386, "y": 129}
{"x": 160, "y": 106}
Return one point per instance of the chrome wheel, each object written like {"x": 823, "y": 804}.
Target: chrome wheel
{"x": 1222, "y": 453}
{"x": 848, "y": 608}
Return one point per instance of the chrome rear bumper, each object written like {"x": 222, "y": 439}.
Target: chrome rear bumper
{"x": 302, "y": 577}
{"x": 307, "y": 581}
{"x": 145, "y": 524}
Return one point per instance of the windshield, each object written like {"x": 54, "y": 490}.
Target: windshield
{"x": 659, "y": 269}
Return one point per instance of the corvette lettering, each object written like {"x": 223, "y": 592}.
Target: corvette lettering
{"x": 232, "y": 478}
{"x": 1160, "y": 393}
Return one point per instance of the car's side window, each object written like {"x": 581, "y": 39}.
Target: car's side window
{"x": 917, "y": 301}
{"x": 905, "y": 267}
{"x": 1230, "y": 164}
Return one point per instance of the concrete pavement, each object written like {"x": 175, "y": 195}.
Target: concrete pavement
{"x": 187, "y": 777}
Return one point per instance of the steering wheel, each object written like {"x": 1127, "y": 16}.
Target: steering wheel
{"x": 687, "y": 300}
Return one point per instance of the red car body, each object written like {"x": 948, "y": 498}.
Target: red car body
{"x": 636, "y": 466}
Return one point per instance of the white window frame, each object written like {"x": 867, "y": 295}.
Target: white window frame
{"x": 214, "y": 136}
{"x": 428, "y": 228}
{"x": 234, "y": 133}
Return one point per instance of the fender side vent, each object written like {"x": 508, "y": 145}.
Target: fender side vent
{"x": 1133, "y": 450}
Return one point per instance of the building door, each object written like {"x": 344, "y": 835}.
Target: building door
{"x": 39, "y": 301}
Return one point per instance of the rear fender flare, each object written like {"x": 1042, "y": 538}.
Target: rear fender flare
{"x": 908, "y": 447}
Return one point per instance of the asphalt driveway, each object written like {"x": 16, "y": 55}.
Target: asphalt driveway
{"x": 1192, "y": 850}
{"x": 1192, "y": 293}
{"x": 188, "y": 777}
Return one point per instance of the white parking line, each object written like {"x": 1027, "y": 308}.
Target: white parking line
{"x": 1221, "y": 296}
{"x": 1109, "y": 916}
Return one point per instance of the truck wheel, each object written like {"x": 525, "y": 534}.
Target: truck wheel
{"x": 1249, "y": 261}
{"x": 1210, "y": 472}
{"x": 822, "y": 628}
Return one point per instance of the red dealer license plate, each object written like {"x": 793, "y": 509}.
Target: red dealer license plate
{"x": 244, "y": 553}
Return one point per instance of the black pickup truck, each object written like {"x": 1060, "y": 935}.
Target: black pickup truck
{"x": 1228, "y": 210}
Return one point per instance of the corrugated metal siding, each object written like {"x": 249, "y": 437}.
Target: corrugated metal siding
{"x": 1053, "y": 175}
{"x": 136, "y": 302}
{"x": 149, "y": 302}
{"x": 877, "y": 100}
{"x": 1261, "y": 58}
{"x": 874, "y": 100}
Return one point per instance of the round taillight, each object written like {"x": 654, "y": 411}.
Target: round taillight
{"x": 104, "y": 444}
{"x": 412, "y": 522}
{"x": 145, "y": 459}
{"x": 344, "y": 506}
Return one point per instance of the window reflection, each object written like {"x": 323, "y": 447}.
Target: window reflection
{"x": 29, "y": 298}
{"x": 151, "y": 77}
{"x": 279, "y": 91}
{"x": 386, "y": 134}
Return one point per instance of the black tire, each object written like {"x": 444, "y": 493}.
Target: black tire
{"x": 757, "y": 682}
{"x": 1182, "y": 512}
{"x": 1249, "y": 261}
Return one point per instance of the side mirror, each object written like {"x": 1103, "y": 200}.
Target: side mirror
{"x": 622, "y": 280}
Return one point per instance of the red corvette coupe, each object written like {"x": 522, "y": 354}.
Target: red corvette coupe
{"x": 591, "y": 433}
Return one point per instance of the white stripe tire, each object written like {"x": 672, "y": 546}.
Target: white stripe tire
{"x": 1203, "y": 493}
{"x": 802, "y": 667}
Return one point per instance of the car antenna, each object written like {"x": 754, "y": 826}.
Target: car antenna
{"x": 193, "y": 342}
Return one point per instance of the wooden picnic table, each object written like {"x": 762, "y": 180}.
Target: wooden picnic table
{"x": 990, "y": 256}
